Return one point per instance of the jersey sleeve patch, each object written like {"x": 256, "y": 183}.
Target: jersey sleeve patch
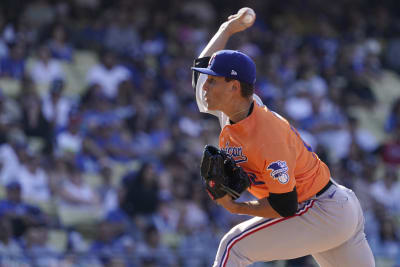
{"x": 279, "y": 171}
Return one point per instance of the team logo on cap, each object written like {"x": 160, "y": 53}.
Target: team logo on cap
{"x": 279, "y": 171}
{"x": 211, "y": 60}
{"x": 233, "y": 73}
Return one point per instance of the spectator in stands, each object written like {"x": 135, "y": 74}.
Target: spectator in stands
{"x": 352, "y": 165}
{"x": 90, "y": 97}
{"x": 33, "y": 120}
{"x": 390, "y": 149}
{"x": 93, "y": 34}
{"x": 21, "y": 214}
{"x": 363, "y": 183}
{"x": 121, "y": 34}
{"x": 10, "y": 250}
{"x": 358, "y": 92}
{"x": 95, "y": 114}
{"x": 120, "y": 220}
{"x": 364, "y": 138}
{"x": 194, "y": 226}
{"x": 26, "y": 32}
{"x": 33, "y": 179}
{"x": 74, "y": 192}
{"x": 357, "y": 143}
{"x": 69, "y": 141}
{"x": 326, "y": 117}
{"x": 4, "y": 122}
{"x": 394, "y": 117}
{"x": 195, "y": 248}
{"x": 57, "y": 172}
{"x": 58, "y": 44}
{"x": 36, "y": 248}
{"x": 108, "y": 74}
{"x": 39, "y": 13}
{"x": 56, "y": 107}
{"x": 91, "y": 156}
{"x": 386, "y": 191}
{"x": 142, "y": 194}
{"x": 45, "y": 69}
{"x": 107, "y": 191}
{"x": 152, "y": 249}
{"x": 115, "y": 140}
{"x": 9, "y": 162}
{"x": 139, "y": 121}
{"x": 167, "y": 217}
{"x": 99, "y": 111}
{"x": 10, "y": 112}
{"x": 126, "y": 94}
{"x": 298, "y": 105}
{"x": 389, "y": 240}
{"x": 13, "y": 66}
{"x": 109, "y": 244}
{"x": 6, "y": 33}
{"x": 308, "y": 78}
{"x": 189, "y": 123}
{"x": 193, "y": 217}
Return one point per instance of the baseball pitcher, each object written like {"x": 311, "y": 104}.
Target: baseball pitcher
{"x": 299, "y": 209}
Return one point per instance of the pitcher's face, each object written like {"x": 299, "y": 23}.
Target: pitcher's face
{"x": 218, "y": 92}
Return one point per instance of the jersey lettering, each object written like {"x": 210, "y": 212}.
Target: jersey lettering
{"x": 235, "y": 152}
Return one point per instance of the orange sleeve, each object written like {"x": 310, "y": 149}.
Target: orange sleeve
{"x": 279, "y": 166}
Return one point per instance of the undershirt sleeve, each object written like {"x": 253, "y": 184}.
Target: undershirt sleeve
{"x": 285, "y": 204}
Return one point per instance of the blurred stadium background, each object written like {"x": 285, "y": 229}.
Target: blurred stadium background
{"x": 100, "y": 137}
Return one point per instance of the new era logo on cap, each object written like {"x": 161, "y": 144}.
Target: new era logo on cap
{"x": 231, "y": 64}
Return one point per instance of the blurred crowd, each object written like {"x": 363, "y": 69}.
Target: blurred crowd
{"x": 101, "y": 138}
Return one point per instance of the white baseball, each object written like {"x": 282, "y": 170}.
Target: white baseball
{"x": 250, "y": 15}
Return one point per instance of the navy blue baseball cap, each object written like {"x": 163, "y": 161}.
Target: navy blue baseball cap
{"x": 231, "y": 64}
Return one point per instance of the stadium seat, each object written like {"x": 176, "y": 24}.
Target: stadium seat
{"x": 386, "y": 91}
{"x": 171, "y": 240}
{"x": 74, "y": 216}
{"x": 121, "y": 169}
{"x": 10, "y": 87}
{"x": 84, "y": 60}
{"x": 92, "y": 179}
{"x": 74, "y": 83}
{"x": 2, "y": 192}
{"x": 48, "y": 207}
{"x": 57, "y": 240}
{"x": 384, "y": 262}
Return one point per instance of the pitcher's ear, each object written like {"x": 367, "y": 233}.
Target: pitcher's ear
{"x": 236, "y": 85}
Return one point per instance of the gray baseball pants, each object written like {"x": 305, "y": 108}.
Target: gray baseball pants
{"x": 329, "y": 227}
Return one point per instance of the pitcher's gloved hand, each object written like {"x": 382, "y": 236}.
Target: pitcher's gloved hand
{"x": 221, "y": 175}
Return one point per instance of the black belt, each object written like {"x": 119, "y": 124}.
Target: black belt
{"x": 324, "y": 188}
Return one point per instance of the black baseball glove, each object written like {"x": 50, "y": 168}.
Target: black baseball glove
{"x": 221, "y": 175}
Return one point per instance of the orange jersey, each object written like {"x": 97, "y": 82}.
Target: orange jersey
{"x": 271, "y": 151}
